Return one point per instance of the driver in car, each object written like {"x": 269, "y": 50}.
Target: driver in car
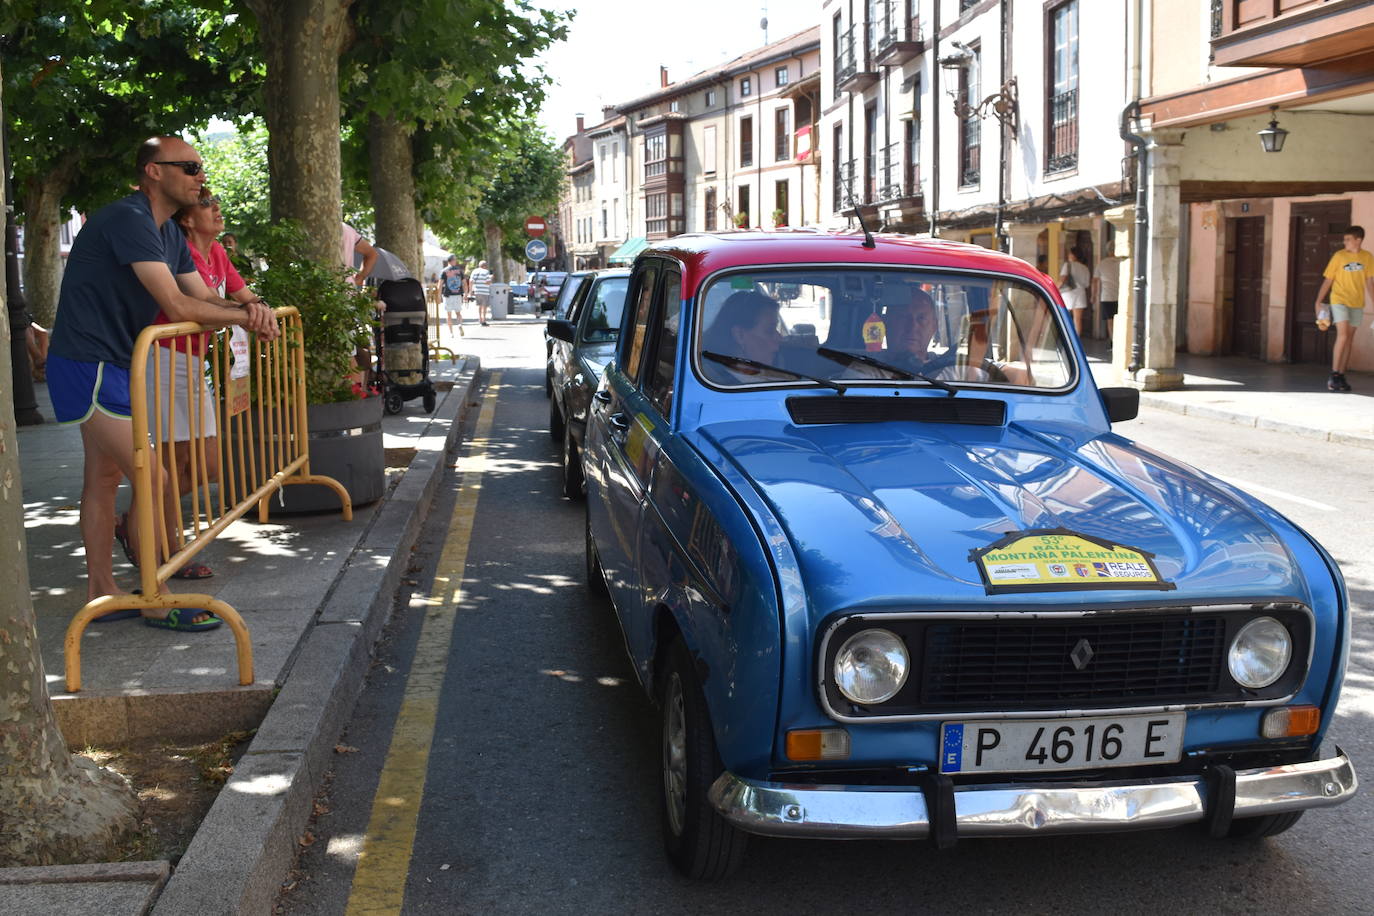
{"x": 910, "y": 327}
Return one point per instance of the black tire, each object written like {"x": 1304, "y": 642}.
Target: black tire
{"x": 430, "y": 400}
{"x": 574, "y": 486}
{"x": 596, "y": 578}
{"x": 556, "y": 424}
{"x": 548, "y": 384}
{"x": 1255, "y": 828}
{"x": 393, "y": 402}
{"x": 699, "y": 842}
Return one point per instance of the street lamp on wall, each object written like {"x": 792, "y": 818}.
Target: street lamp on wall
{"x": 1272, "y": 137}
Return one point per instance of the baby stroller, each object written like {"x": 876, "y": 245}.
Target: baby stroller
{"x": 402, "y": 345}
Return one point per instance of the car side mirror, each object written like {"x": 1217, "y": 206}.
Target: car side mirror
{"x": 562, "y": 329}
{"x": 1121, "y": 403}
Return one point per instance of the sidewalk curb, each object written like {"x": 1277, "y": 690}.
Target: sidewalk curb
{"x": 1240, "y": 418}
{"x": 245, "y": 846}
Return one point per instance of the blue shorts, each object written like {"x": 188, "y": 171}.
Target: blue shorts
{"x": 78, "y": 389}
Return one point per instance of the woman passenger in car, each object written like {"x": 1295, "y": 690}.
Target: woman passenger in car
{"x": 747, "y": 325}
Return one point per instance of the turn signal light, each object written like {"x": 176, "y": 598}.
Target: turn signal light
{"x": 818, "y": 744}
{"x": 1291, "y": 722}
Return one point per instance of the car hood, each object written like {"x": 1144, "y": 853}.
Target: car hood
{"x": 887, "y": 514}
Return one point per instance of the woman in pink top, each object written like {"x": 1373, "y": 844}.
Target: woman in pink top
{"x": 202, "y": 223}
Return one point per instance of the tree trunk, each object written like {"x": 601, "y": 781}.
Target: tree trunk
{"x": 496, "y": 260}
{"x": 53, "y": 807}
{"x": 301, "y": 42}
{"x": 392, "y": 174}
{"x": 43, "y": 218}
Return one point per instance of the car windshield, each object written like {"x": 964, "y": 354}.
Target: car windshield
{"x": 887, "y": 326}
{"x": 567, "y": 293}
{"x": 607, "y": 303}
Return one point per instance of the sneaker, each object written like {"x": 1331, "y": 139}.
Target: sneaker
{"x": 1340, "y": 380}
{"x": 1334, "y": 382}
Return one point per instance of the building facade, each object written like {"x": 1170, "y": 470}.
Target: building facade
{"x": 1044, "y": 126}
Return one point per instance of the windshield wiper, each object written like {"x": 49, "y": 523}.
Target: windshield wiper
{"x": 765, "y": 367}
{"x": 844, "y": 356}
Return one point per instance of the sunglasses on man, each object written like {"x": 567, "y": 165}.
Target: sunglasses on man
{"x": 186, "y": 165}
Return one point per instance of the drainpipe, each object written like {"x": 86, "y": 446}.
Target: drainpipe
{"x": 1003, "y": 66}
{"x": 1142, "y": 231}
{"x": 935, "y": 124}
{"x": 1142, "y": 214}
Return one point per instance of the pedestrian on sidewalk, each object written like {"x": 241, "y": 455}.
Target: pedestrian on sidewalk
{"x": 1106, "y": 284}
{"x": 1074, "y": 278}
{"x": 128, "y": 260}
{"x": 451, "y": 281}
{"x": 1349, "y": 278}
{"x": 481, "y": 290}
{"x": 185, "y": 383}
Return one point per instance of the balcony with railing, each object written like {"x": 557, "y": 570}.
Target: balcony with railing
{"x": 898, "y": 36}
{"x": 1061, "y": 141}
{"x": 854, "y": 68}
{"x": 1289, "y": 33}
{"x": 846, "y": 176}
{"x": 898, "y": 180}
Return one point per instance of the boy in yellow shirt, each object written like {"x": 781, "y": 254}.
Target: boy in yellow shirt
{"x": 1349, "y": 278}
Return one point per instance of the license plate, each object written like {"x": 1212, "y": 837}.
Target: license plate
{"x": 1049, "y": 745}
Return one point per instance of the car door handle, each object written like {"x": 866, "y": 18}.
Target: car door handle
{"x": 602, "y": 397}
{"x": 618, "y": 422}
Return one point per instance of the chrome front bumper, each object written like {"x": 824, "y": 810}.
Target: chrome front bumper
{"x": 900, "y": 812}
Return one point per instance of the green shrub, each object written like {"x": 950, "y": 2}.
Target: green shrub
{"x": 337, "y": 316}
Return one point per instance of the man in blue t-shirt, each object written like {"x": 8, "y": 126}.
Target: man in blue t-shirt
{"x": 128, "y": 261}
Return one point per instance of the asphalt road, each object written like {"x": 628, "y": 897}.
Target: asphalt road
{"x": 538, "y": 792}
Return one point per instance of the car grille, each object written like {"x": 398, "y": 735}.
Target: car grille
{"x": 1102, "y": 662}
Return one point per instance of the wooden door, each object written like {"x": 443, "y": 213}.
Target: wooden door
{"x": 1247, "y": 283}
{"x": 1314, "y": 235}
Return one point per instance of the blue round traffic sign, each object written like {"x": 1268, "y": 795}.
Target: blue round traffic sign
{"x": 536, "y": 250}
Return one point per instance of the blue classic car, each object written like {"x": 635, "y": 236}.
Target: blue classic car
{"x": 887, "y": 571}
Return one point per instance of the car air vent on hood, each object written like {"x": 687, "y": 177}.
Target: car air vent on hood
{"x": 851, "y": 409}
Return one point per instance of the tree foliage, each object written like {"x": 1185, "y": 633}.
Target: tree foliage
{"x": 90, "y": 80}
{"x": 526, "y": 178}
{"x": 453, "y": 74}
{"x": 236, "y": 171}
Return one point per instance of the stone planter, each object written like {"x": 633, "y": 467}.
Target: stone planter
{"x": 346, "y": 444}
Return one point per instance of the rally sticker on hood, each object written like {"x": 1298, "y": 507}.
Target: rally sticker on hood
{"x": 1059, "y": 560}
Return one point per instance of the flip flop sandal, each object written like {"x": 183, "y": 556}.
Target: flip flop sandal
{"x": 121, "y": 534}
{"x": 193, "y": 571}
{"x": 173, "y": 621}
{"x": 123, "y": 614}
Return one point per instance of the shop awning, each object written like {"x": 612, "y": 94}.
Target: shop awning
{"x": 626, "y": 253}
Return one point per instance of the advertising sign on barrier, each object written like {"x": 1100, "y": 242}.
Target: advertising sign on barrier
{"x": 236, "y": 398}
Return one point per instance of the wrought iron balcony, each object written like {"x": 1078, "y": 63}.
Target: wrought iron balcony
{"x": 1061, "y": 146}
{"x": 897, "y": 37}
{"x": 854, "y": 70}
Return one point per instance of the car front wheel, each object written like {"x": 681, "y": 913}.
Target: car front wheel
{"x": 574, "y": 487}
{"x": 699, "y": 842}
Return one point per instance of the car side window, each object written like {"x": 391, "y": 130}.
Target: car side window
{"x": 660, "y": 382}
{"x": 643, "y": 291}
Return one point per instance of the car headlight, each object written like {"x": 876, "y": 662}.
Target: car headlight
{"x": 1260, "y": 652}
{"x": 871, "y": 666}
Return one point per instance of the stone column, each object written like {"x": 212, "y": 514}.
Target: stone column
{"x": 1024, "y": 237}
{"x": 1157, "y": 370}
{"x": 1123, "y": 243}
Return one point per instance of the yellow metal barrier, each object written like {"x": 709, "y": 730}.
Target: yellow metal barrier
{"x": 261, "y": 444}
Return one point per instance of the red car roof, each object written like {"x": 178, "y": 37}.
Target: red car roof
{"x": 703, "y": 254}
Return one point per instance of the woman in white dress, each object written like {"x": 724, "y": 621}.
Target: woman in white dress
{"x": 1074, "y": 279}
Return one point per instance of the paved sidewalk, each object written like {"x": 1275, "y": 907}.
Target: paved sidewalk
{"x": 1284, "y": 397}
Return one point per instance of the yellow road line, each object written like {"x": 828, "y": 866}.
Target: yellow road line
{"x": 379, "y": 882}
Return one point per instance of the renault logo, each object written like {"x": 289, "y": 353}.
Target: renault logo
{"x": 1082, "y": 654}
